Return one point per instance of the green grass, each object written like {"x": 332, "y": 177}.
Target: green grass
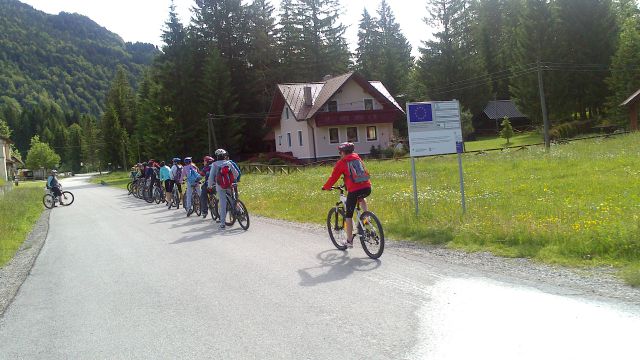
{"x": 487, "y": 143}
{"x": 19, "y": 211}
{"x": 631, "y": 275}
{"x": 118, "y": 179}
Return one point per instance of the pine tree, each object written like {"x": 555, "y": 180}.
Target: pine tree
{"x": 73, "y": 157}
{"x": 289, "y": 43}
{"x": 369, "y": 52}
{"x": 625, "y": 77}
{"x": 90, "y": 146}
{"x": 492, "y": 36}
{"x": 396, "y": 57}
{"x": 5, "y": 131}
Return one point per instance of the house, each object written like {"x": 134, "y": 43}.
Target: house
{"x": 309, "y": 120}
{"x": 489, "y": 121}
{"x": 9, "y": 164}
{"x": 632, "y": 104}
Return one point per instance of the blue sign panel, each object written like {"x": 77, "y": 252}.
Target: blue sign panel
{"x": 460, "y": 147}
{"x": 420, "y": 113}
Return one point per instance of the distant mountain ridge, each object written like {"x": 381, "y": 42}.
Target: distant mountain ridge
{"x": 66, "y": 57}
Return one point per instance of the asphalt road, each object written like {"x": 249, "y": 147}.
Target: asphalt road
{"x": 121, "y": 279}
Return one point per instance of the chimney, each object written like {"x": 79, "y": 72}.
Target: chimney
{"x": 308, "y": 100}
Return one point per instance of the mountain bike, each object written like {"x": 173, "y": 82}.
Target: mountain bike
{"x": 50, "y": 199}
{"x": 175, "y": 197}
{"x": 369, "y": 227}
{"x": 236, "y": 210}
{"x": 158, "y": 193}
{"x": 195, "y": 201}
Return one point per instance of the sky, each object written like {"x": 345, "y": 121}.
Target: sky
{"x": 142, "y": 20}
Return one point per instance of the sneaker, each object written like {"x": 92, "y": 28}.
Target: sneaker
{"x": 222, "y": 227}
{"x": 348, "y": 244}
{"x": 204, "y": 216}
{"x": 189, "y": 212}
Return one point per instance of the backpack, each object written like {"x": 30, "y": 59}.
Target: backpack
{"x": 178, "y": 176}
{"x": 227, "y": 175}
{"x": 193, "y": 176}
{"x": 357, "y": 172}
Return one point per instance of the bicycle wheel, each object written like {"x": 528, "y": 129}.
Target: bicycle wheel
{"x": 230, "y": 217}
{"x": 148, "y": 195}
{"x": 176, "y": 198}
{"x": 130, "y": 187}
{"x": 195, "y": 204}
{"x": 67, "y": 198}
{"x": 213, "y": 207}
{"x": 242, "y": 215}
{"x": 48, "y": 201}
{"x": 372, "y": 237}
{"x": 157, "y": 196}
{"x": 335, "y": 226}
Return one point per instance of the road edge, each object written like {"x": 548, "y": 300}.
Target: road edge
{"x": 16, "y": 271}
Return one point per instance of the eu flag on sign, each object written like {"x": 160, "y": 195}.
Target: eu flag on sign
{"x": 420, "y": 113}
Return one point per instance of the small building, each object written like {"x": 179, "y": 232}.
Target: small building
{"x": 489, "y": 121}
{"x": 309, "y": 120}
{"x": 632, "y": 104}
{"x": 8, "y": 163}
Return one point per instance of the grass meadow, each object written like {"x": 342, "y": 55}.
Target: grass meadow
{"x": 19, "y": 211}
{"x": 520, "y": 139}
{"x": 577, "y": 205}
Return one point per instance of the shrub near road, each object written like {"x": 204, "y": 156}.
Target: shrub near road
{"x": 578, "y": 204}
{"x": 19, "y": 211}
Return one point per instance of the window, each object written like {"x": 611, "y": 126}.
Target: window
{"x": 372, "y": 133}
{"x": 352, "y": 134}
{"x": 289, "y": 139}
{"x": 368, "y": 104}
{"x": 280, "y": 140}
{"x": 334, "y": 136}
{"x": 287, "y": 111}
{"x": 300, "y": 137}
{"x": 333, "y": 106}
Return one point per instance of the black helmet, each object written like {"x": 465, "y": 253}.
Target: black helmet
{"x": 221, "y": 154}
{"x": 346, "y": 148}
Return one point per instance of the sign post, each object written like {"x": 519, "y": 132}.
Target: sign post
{"x": 434, "y": 129}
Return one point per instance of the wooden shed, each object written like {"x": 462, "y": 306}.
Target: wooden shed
{"x": 632, "y": 104}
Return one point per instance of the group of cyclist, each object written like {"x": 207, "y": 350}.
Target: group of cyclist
{"x": 219, "y": 175}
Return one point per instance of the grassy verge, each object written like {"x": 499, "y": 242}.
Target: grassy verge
{"x": 118, "y": 179}
{"x": 527, "y": 138}
{"x": 19, "y": 211}
{"x": 576, "y": 205}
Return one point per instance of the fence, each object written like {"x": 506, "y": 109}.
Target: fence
{"x": 270, "y": 169}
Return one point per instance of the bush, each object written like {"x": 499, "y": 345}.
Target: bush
{"x": 570, "y": 129}
{"x": 375, "y": 152}
{"x": 277, "y": 161}
{"x": 388, "y": 153}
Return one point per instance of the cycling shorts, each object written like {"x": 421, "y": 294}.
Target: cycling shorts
{"x": 352, "y": 200}
{"x": 168, "y": 185}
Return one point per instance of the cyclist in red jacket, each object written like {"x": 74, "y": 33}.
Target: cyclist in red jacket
{"x": 356, "y": 180}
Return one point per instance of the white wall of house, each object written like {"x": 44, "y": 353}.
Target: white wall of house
{"x": 326, "y": 148}
{"x": 351, "y": 98}
{"x": 4, "y": 156}
{"x": 297, "y": 130}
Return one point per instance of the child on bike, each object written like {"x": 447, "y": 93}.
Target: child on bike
{"x": 176, "y": 179}
{"x": 165, "y": 179}
{"x": 205, "y": 172}
{"x": 356, "y": 180}
{"x": 224, "y": 176}
{"x": 54, "y": 185}
{"x": 191, "y": 176}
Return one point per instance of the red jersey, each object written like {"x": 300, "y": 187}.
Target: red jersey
{"x": 341, "y": 169}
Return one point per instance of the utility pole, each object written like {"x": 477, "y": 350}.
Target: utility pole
{"x": 543, "y": 104}
{"x": 212, "y": 133}
{"x": 209, "y": 133}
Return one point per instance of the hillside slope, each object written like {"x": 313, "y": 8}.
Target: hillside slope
{"x": 67, "y": 57}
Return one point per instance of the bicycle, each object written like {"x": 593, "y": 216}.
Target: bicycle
{"x": 175, "y": 197}
{"x": 369, "y": 227}
{"x": 195, "y": 201}
{"x": 50, "y": 200}
{"x": 236, "y": 210}
{"x": 158, "y": 193}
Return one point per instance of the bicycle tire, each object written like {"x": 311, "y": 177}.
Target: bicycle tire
{"x": 335, "y": 226}
{"x": 176, "y": 199}
{"x": 372, "y": 235}
{"x": 195, "y": 204}
{"x": 157, "y": 196}
{"x": 130, "y": 187}
{"x": 148, "y": 195}
{"x": 242, "y": 215}
{"x": 68, "y": 198}
{"x": 48, "y": 201}
{"x": 231, "y": 214}
{"x": 213, "y": 208}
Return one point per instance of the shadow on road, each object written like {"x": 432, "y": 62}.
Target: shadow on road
{"x": 335, "y": 265}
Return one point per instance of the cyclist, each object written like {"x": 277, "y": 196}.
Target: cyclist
{"x": 54, "y": 185}
{"x": 165, "y": 178}
{"x": 356, "y": 180}
{"x": 205, "y": 172}
{"x": 176, "y": 178}
{"x": 224, "y": 176}
{"x": 193, "y": 182}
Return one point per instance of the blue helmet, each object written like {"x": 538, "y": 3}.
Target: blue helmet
{"x": 187, "y": 160}
{"x": 176, "y": 160}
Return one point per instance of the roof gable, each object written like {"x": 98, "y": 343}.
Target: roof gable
{"x": 631, "y": 98}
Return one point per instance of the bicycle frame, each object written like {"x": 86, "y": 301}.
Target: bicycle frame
{"x": 342, "y": 204}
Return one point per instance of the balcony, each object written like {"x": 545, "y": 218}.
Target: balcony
{"x": 356, "y": 117}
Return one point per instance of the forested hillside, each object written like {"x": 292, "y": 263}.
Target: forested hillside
{"x": 60, "y": 65}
